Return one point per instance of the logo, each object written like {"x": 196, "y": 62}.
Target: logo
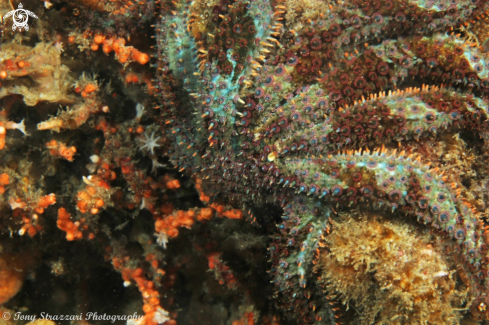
{"x": 20, "y": 17}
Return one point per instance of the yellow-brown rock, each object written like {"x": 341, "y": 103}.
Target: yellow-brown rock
{"x": 391, "y": 273}
{"x": 11, "y": 276}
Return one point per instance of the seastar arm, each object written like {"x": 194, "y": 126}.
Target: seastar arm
{"x": 293, "y": 253}
{"x": 385, "y": 181}
{"x": 410, "y": 113}
{"x": 202, "y": 75}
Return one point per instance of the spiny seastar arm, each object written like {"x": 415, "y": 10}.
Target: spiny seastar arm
{"x": 385, "y": 181}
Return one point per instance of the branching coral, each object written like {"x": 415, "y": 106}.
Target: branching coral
{"x": 37, "y": 74}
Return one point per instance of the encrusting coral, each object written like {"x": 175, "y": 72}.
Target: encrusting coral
{"x": 36, "y": 74}
{"x": 150, "y": 151}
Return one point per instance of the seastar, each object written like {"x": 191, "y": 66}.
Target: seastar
{"x": 259, "y": 106}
